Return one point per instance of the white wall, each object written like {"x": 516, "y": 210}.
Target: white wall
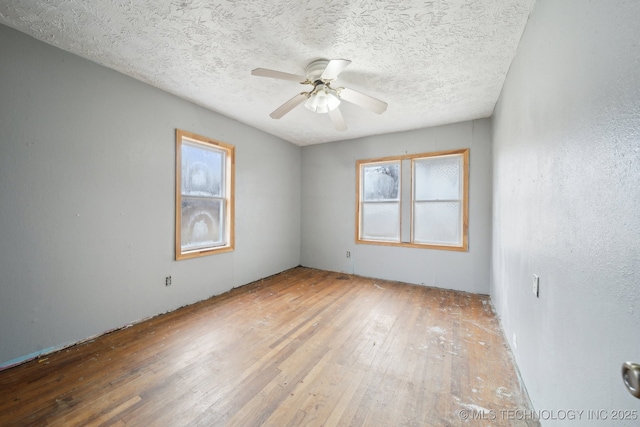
{"x": 87, "y": 161}
{"x": 329, "y": 203}
{"x": 567, "y": 205}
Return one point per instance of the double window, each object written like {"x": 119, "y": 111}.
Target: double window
{"x": 418, "y": 200}
{"x": 204, "y": 196}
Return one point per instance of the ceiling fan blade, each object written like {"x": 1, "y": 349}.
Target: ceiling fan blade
{"x": 362, "y": 100}
{"x": 263, "y": 72}
{"x": 289, "y": 105}
{"x": 337, "y": 119}
{"x": 334, "y": 67}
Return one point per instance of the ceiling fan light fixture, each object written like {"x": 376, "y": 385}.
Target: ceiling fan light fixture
{"x": 322, "y": 100}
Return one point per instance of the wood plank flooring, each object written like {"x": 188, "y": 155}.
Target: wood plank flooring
{"x": 302, "y": 348}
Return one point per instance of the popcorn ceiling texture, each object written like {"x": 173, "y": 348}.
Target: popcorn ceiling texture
{"x": 434, "y": 62}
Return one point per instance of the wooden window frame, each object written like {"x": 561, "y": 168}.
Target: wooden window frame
{"x": 229, "y": 196}
{"x": 463, "y": 247}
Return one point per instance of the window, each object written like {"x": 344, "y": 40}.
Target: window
{"x": 204, "y": 196}
{"x": 418, "y": 200}
{"x": 381, "y": 201}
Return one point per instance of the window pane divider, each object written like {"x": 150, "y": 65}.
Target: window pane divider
{"x": 199, "y": 197}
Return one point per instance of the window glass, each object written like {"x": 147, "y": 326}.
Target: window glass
{"x": 381, "y": 182}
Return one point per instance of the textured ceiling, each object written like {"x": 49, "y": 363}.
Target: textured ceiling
{"x": 434, "y": 62}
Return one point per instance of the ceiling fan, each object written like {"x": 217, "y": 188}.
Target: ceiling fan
{"x": 323, "y": 98}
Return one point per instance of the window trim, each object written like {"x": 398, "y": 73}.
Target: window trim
{"x": 229, "y": 175}
{"x": 464, "y": 247}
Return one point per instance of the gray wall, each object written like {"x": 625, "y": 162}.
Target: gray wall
{"x": 567, "y": 204}
{"x": 87, "y": 200}
{"x": 329, "y": 203}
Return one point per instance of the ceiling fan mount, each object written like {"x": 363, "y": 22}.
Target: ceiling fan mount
{"x": 322, "y": 98}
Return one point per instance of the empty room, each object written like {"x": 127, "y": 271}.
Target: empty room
{"x": 322, "y": 213}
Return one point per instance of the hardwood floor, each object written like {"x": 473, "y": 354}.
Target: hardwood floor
{"x": 301, "y": 348}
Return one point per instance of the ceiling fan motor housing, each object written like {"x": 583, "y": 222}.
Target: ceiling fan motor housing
{"x": 315, "y": 69}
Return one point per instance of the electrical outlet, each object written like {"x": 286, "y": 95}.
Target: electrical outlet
{"x": 536, "y": 286}
{"x": 515, "y": 341}
{"x": 348, "y": 254}
{"x": 167, "y": 281}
